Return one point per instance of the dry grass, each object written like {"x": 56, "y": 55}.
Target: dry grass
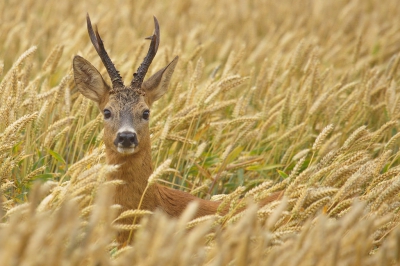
{"x": 268, "y": 95}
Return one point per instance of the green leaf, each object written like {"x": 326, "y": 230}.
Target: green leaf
{"x": 43, "y": 177}
{"x": 263, "y": 167}
{"x": 234, "y": 154}
{"x": 240, "y": 176}
{"x": 56, "y": 156}
{"x": 282, "y": 174}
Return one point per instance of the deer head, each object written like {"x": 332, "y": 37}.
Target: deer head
{"x": 126, "y": 109}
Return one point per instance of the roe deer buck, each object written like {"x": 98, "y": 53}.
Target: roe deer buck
{"x": 126, "y": 129}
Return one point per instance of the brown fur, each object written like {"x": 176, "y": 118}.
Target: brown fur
{"x": 134, "y": 171}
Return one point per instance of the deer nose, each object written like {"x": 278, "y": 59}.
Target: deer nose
{"x": 126, "y": 139}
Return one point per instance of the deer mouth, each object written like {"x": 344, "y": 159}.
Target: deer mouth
{"x": 126, "y": 150}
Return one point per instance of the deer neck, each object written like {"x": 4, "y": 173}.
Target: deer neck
{"x": 134, "y": 170}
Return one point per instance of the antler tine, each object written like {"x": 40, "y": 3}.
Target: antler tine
{"x": 101, "y": 51}
{"x": 138, "y": 77}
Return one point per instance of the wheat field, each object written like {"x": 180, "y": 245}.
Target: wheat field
{"x": 294, "y": 96}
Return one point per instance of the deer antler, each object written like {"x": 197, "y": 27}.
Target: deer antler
{"x": 138, "y": 77}
{"x": 99, "y": 46}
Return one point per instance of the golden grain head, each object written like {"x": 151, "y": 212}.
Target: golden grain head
{"x": 268, "y": 96}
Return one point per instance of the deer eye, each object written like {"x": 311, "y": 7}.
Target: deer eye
{"x": 146, "y": 114}
{"x": 107, "y": 113}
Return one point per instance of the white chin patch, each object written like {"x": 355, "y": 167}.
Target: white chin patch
{"x": 126, "y": 150}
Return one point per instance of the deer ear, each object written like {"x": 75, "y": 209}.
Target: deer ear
{"x": 89, "y": 80}
{"x": 157, "y": 85}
